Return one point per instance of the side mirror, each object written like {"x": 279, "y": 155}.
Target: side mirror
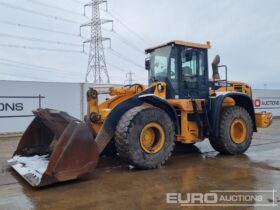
{"x": 147, "y": 64}
{"x": 215, "y": 67}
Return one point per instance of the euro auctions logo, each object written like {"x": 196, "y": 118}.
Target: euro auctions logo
{"x": 263, "y": 198}
{"x": 192, "y": 198}
{"x": 257, "y": 103}
{"x": 267, "y": 103}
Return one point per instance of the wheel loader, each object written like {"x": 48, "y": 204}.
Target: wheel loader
{"x": 181, "y": 104}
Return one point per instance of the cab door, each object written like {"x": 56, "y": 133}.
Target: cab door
{"x": 194, "y": 73}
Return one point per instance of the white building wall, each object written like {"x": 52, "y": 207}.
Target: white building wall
{"x": 267, "y": 100}
{"x": 60, "y": 96}
{"x": 71, "y": 98}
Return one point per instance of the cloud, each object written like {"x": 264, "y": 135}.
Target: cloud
{"x": 244, "y": 32}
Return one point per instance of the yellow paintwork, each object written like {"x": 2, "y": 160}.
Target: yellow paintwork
{"x": 264, "y": 119}
{"x": 160, "y": 89}
{"x": 104, "y": 113}
{"x": 228, "y": 101}
{"x": 93, "y": 104}
{"x": 238, "y": 131}
{"x": 189, "y": 129}
{"x": 152, "y": 138}
{"x": 186, "y": 104}
{"x": 119, "y": 94}
{"x": 104, "y": 108}
{"x": 118, "y": 91}
{"x": 236, "y": 86}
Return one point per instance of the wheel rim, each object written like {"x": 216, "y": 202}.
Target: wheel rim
{"x": 152, "y": 138}
{"x": 238, "y": 131}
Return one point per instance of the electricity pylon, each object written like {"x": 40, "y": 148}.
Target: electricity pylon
{"x": 130, "y": 79}
{"x": 97, "y": 62}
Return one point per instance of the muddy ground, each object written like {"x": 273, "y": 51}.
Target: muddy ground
{"x": 192, "y": 169}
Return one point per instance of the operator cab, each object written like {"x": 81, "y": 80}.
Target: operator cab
{"x": 183, "y": 66}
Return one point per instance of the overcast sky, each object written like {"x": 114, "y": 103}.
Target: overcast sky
{"x": 245, "y": 33}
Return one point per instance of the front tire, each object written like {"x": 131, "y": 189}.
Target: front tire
{"x": 145, "y": 137}
{"x": 235, "y": 131}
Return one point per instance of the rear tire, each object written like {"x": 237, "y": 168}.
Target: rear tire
{"x": 235, "y": 131}
{"x": 145, "y": 137}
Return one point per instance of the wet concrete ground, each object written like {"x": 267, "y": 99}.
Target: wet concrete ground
{"x": 193, "y": 169}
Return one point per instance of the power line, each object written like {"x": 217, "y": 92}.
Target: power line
{"x": 22, "y": 76}
{"x": 123, "y": 57}
{"x": 78, "y": 2}
{"x": 39, "y": 48}
{"x": 44, "y": 68}
{"x": 121, "y": 69}
{"x": 38, "y": 28}
{"x": 116, "y": 67}
{"x": 37, "y": 13}
{"x": 33, "y": 69}
{"x": 39, "y": 40}
{"x": 128, "y": 28}
{"x": 123, "y": 40}
{"x": 57, "y": 8}
{"x": 31, "y": 75}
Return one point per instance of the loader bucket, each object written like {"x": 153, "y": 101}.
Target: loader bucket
{"x": 55, "y": 147}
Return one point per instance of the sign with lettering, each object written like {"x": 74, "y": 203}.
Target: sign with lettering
{"x": 267, "y": 103}
{"x": 19, "y": 106}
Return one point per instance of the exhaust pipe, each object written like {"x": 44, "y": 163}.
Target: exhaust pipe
{"x": 215, "y": 67}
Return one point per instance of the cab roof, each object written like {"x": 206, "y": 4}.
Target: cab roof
{"x": 182, "y": 43}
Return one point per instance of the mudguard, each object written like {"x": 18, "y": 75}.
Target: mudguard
{"x": 241, "y": 99}
{"x": 108, "y": 128}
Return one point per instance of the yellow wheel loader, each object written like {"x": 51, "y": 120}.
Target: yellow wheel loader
{"x": 181, "y": 104}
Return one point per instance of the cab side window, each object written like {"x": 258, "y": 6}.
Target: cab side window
{"x": 202, "y": 62}
{"x": 160, "y": 65}
{"x": 173, "y": 71}
{"x": 189, "y": 62}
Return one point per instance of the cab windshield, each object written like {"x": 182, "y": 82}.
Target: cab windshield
{"x": 163, "y": 66}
